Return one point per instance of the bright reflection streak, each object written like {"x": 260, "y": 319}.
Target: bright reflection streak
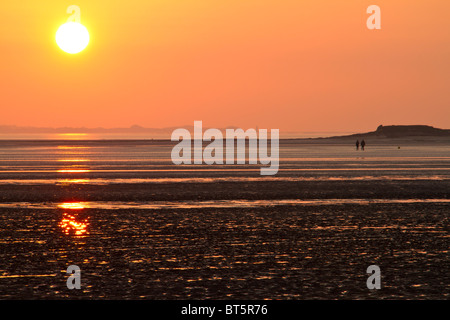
{"x": 70, "y": 225}
{"x": 70, "y": 181}
{"x": 71, "y": 205}
{"x": 73, "y": 171}
{"x": 73, "y": 160}
{"x": 73, "y": 136}
{"x": 71, "y": 147}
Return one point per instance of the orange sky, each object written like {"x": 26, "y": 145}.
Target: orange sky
{"x": 296, "y": 65}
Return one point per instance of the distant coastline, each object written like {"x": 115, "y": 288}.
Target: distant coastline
{"x": 141, "y": 133}
{"x": 394, "y": 133}
{"x": 402, "y": 131}
{"x": 134, "y": 132}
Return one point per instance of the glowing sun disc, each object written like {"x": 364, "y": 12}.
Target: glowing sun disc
{"x": 72, "y": 37}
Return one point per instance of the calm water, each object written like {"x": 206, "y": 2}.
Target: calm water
{"x": 104, "y": 162}
{"x": 140, "y": 227}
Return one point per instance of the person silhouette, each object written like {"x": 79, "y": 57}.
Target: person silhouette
{"x": 357, "y": 144}
{"x": 363, "y": 144}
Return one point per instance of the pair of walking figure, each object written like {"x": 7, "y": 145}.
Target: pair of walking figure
{"x": 363, "y": 144}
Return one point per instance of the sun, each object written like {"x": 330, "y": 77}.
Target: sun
{"x": 72, "y": 37}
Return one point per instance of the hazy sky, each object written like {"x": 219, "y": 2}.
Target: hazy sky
{"x": 303, "y": 65}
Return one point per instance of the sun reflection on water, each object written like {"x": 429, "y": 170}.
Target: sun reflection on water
{"x": 73, "y": 160}
{"x": 73, "y": 181}
{"x": 73, "y": 171}
{"x": 71, "y": 205}
{"x": 72, "y": 223}
{"x": 72, "y": 147}
{"x": 73, "y": 136}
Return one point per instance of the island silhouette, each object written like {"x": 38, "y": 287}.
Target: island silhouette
{"x": 403, "y": 131}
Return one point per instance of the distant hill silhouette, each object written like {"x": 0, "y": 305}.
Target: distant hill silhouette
{"x": 132, "y": 129}
{"x": 404, "y": 131}
{"x": 408, "y": 131}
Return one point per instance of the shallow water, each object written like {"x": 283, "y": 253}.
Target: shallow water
{"x": 189, "y": 204}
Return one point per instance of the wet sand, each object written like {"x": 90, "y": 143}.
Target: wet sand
{"x": 381, "y": 189}
{"x": 283, "y": 252}
{"x": 293, "y": 252}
